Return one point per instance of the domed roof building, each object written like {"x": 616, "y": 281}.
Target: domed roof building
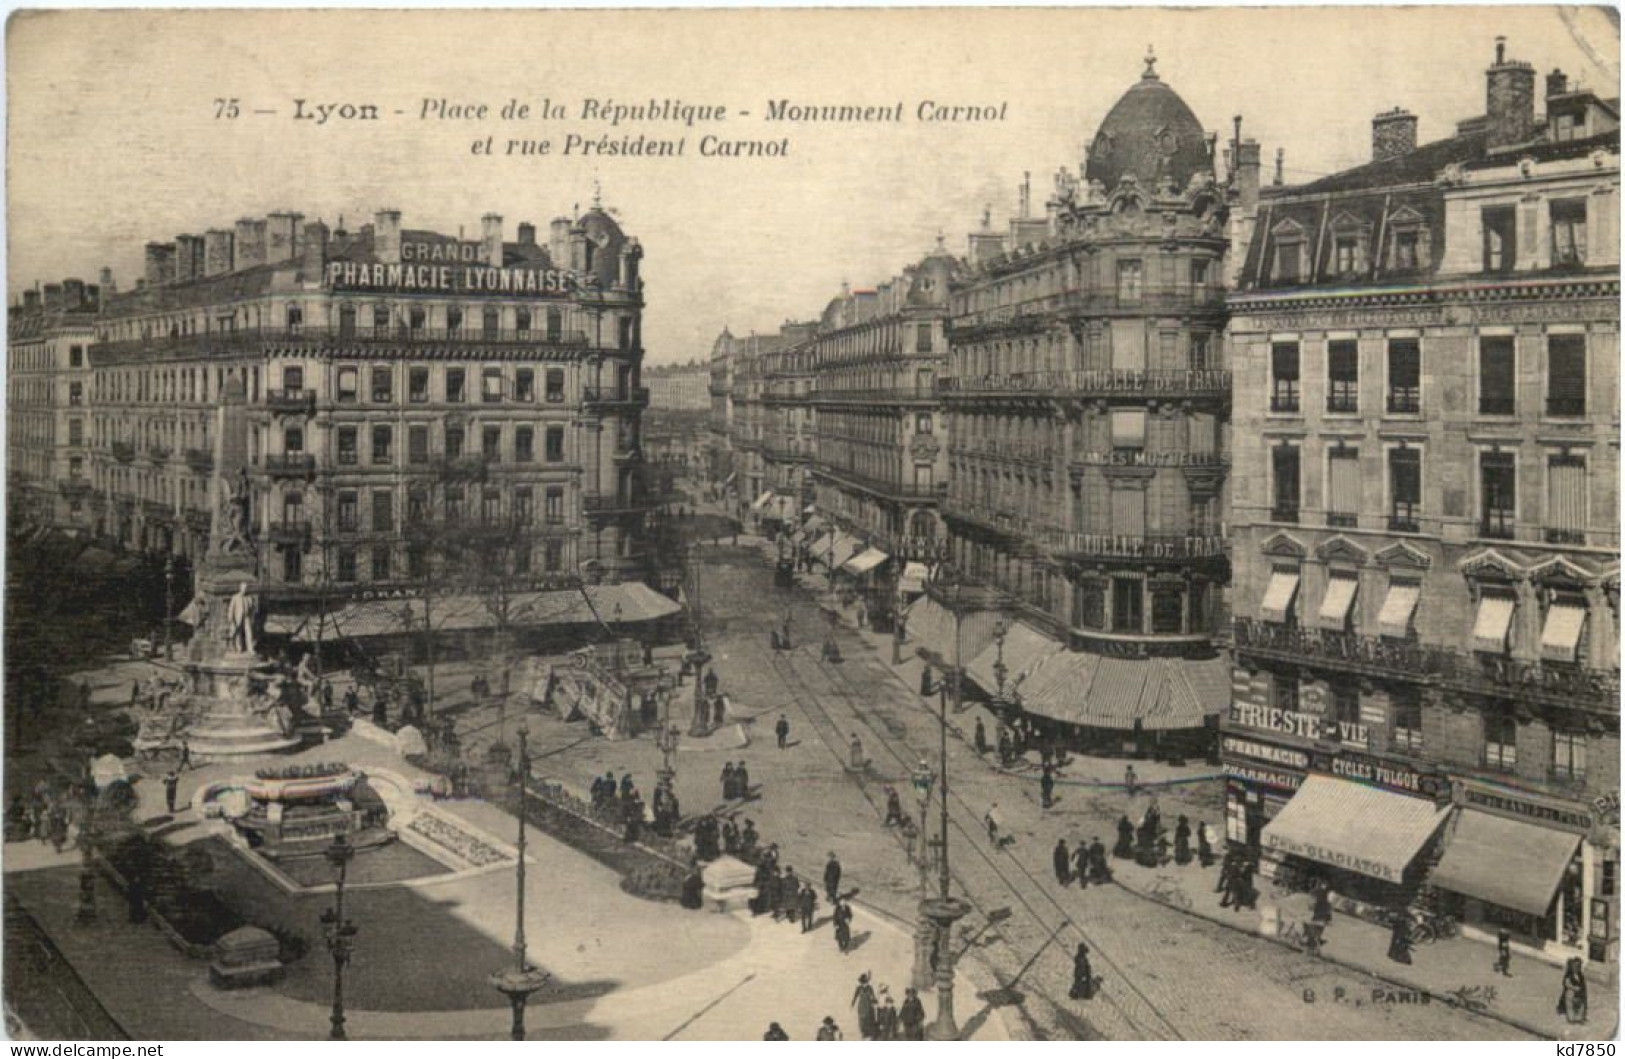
{"x": 1151, "y": 134}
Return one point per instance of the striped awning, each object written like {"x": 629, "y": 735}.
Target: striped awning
{"x": 1493, "y": 623}
{"x": 1397, "y": 608}
{"x": 1334, "y": 606}
{"x": 1278, "y": 596}
{"x": 930, "y": 631}
{"x": 762, "y": 500}
{"x": 1158, "y": 694}
{"x": 1351, "y": 826}
{"x": 1506, "y": 862}
{"x": 590, "y": 604}
{"x": 1025, "y": 649}
{"x": 1560, "y": 637}
{"x": 844, "y": 548}
{"x": 819, "y": 549}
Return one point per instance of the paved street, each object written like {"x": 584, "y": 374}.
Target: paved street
{"x": 1167, "y": 975}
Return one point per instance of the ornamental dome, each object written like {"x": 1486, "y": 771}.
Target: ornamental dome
{"x": 1151, "y": 134}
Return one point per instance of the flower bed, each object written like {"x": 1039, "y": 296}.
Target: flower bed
{"x": 466, "y": 847}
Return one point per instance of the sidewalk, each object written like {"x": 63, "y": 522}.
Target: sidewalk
{"x": 1457, "y": 971}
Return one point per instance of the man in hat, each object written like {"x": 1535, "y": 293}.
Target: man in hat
{"x": 829, "y": 1031}
{"x": 172, "y": 782}
{"x": 741, "y": 781}
{"x": 832, "y": 877}
{"x": 775, "y": 1032}
{"x": 809, "y": 905}
{"x": 1046, "y": 785}
{"x": 886, "y": 1018}
{"x": 1099, "y": 870}
{"x": 912, "y": 1016}
{"x": 782, "y": 730}
{"x": 1063, "y": 862}
{"x": 1083, "y": 975}
{"x": 728, "y": 786}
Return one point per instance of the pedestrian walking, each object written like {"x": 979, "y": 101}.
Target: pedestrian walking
{"x": 172, "y": 781}
{"x": 1571, "y": 1002}
{"x": 855, "y": 750}
{"x": 1083, "y": 975}
{"x": 790, "y": 895}
{"x": 775, "y": 1032}
{"x": 782, "y": 730}
{"x": 1124, "y": 849}
{"x": 748, "y": 840}
{"x": 1063, "y": 862}
{"x": 1046, "y": 786}
{"x": 1131, "y": 782}
{"x": 863, "y": 998}
{"x": 809, "y": 905}
{"x": 742, "y": 781}
{"x": 829, "y": 1031}
{"x": 1503, "y": 952}
{"x": 832, "y": 877}
{"x": 843, "y": 926}
{"x": 720, "y": 705}
{"x": 1182, "y": 842}
{"x": 627, "y": 787}
{"x": 887, "y": 1018}
{"x": 1100, "y": 872}
{"x": 1204, "y": 845}
{"x": 993, "y": 820}
{"x": 912, "y": 1016}
{"x": 186, "y": 756}
{"x": 728, "y": 785}
{"x": 981, "y": 738}
{"x": 1081, "y": 857}
{"x": 894, "y": 808}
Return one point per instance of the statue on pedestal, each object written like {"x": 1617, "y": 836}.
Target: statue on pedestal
{"x": 241, "y": 614}
{"x": 238, "y": 522}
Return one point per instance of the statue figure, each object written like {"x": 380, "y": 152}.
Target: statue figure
{"x": 238, "y": 528}
{"x": 305, "y": 676}
{"x": 240, "y": 614}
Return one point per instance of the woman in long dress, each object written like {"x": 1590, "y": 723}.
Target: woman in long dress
{"x": 1572, "y": 1001}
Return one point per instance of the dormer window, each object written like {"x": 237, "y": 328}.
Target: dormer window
{"x": 1344, "y": 255}
{"x": 1408, "y": 248}
{"x": 1405, "y": 247}
{"x": 1289, "y": 260}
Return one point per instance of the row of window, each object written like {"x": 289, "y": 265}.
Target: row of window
{"x": 455, "y": 507}
{"x": 1497, "y": 376}
{"x": 1564, "y": 518}
{"x": 494, "y": 384}
{"x": 454, "y": 442}
{"x": 382, "y": 568}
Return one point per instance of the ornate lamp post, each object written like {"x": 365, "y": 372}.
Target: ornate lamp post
{"x": 945, "y": 910}
{"x": 340, "y": 931}
{"x": 698, "y": 656}
{"x": 1000, "y": 631}
{"x": 523, "y": 979}
{"x": 925, "y": 931}
{"x": 169, "y": 604}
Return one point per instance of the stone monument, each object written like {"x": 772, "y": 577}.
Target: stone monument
{"x": 231, "y": 705}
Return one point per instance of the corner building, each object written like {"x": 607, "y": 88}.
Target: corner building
{"x": 394, "y": 377}
{"x": 1088, "y": 406}
{"x": 1425, "y": 528}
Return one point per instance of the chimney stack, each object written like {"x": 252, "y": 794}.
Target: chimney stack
{"x": 30, "y": 301}
{"x": 160, "y": 263}
{"x": 105, "y": 281}
{"x": 1249, "y": 166}
{"x": 1557, "y": 83}
{"x": 1509, "y": 100}
{"x": 1393, "y": 133}
{"x": 248, "y": 244}
{"x": 216, "y": 252}
{"x": 313, "y": 251}
{"x": 491, "y": 239}
{"x": 189, "y": 258}
{"x": 1280, "y": 166}
{"x": 73, "y": 294}
{"x": 386, "y": 236}
{"x": 282, "y": 237}
{"x": 53, "y": 296}
{"x": 527, "y": 234}
{"x": 558, "y": 244}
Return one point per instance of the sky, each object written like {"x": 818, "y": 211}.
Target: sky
{"x": 114, "y": 140}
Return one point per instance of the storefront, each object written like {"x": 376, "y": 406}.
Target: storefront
{"x": 1543, "y": 869}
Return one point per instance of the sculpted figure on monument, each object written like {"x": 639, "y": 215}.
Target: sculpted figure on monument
{"x": 240, "y": 615}
{"x": 237, "y": 517}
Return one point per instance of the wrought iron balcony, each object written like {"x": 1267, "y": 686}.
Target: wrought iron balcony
{"x": 255, "y": 339}
{"x": 294, "y": 531}
{"x": 602, "y": 396}
{"x": 296, "y": 464}
{"x": 200, "y": 460}
{"x": 295, "y": 402}
{"x": 73, "y": 487}
{"x": 123, "y": 451}
{"x": 158, "y": 453}
{"x": 1193, "y": 383}
{"x": 1483, "y": 674}
{"x": 609, "y": 506}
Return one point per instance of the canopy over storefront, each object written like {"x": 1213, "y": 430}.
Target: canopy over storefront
{"x": 1096, "y": 691}
{"x": 1025, "y": 649}
{"x": 628, "y": 603}
{"x": 864, "y": 561}
{"x": 1506, "y": 862}
{"x": 914, "y": 578}
{"x": 930, "y": 630}
{"x": 1354, "y": 827}
{"x": 762, "y": 500}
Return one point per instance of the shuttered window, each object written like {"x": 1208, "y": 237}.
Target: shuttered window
{"x": 1566, "y": 375}
{"x": 1497, "y": 376}
{"x": 1128, "y": 512}
{"x": 1343, "y": 487}
{"x": 1566, "y": 499}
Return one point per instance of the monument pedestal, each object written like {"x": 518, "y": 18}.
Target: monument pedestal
{"x": 235, "y": 709}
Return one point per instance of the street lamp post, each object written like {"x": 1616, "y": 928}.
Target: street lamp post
{"x": 169, "y": 604}
{"x": 945, "y": 910}
{"x": 86, "y": 913}
{"x": 1000, "y": 631}
{"x": 925, "y": 931}
{"x": 698, "y": 657}
{"x": 340, "y": 931}
{"x": 523, "y": 979}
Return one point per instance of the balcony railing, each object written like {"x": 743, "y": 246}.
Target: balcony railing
{"x": 605, "y": 395}
{"x": 879, "y": 486}
{"x": 1111, "y": 546}
{"x": 1107, "y": 383}
{"x": 251, "y": 339}
{"x": 200, "y": 460}
{"x": 73, "y": 487}
{"x": 595, "y": 504}
{"x": 1284, "y": 513}
{"x": 471, "y": 466}
{"x": 1482, "y": 674}
{"x": 1498, "y": 525}
{"x": 294, "y": 530}
{"x": 158, "y": 453}
{"x": 291, "y": 463}
{"x": 1021, "y": 451}
{"x": 1404, "y": 402}
{"x": 123, "y": 451}
{"x": 881, "y": 395}
{"x": 298, "y": 402}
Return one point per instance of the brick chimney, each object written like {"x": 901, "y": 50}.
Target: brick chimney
{"x": 105, "y": 281}
{"x": 1393, "y": 133}
{"x": 1557, "y": 83}
{"x": 282, "y": 237}
{"x": 53, "y": 296}
{"x": 188, "y": 258}
{"x": 491, "y": 239}
{"x": 1249, "y": 171}
{"x": 73, "y": 294}
{"x": 313, "y": 250}
{"x": 248, "y": 244}
{"x": 527, "y": 234}
{"x": 30, "y": 301}
{"x": 216, "y": 252}
{"x": 1509, "y": 100}
{"x": 386, "y": 236}
{"x": 160, "y": 263}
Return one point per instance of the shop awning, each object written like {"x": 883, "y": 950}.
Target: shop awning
{"x": 627, "y": 603}
{"x": 762, "y": 500}
{"x": 1560, "y": 638}
{"x": 1506, "y": 862}
{"x": 864, "y": 561}
{"x": 843, "y": 549}
{"x": 1157, "y": 694}
{"x": 730, "y": 479}
{"x": 1283, "y": 588}
{"x": 1354, "y": 827}
{"x": 1025, "y": 649}
{"x": 1397, "y": 608}
{"x": 914, "y": 578}
{"x": 1492, "y": 624}
{"x": 1334, "y": 608}
{"x": 929, "y": 630}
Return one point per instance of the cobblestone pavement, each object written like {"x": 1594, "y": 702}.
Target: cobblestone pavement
{"x": 1166, "y": 975}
